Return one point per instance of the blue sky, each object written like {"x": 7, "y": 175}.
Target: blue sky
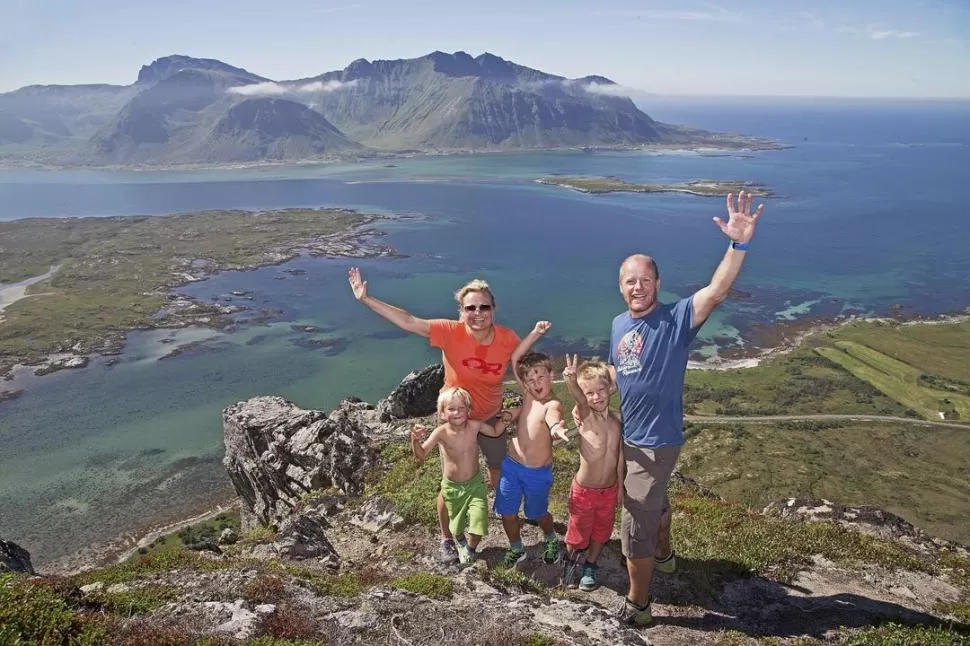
{"x": 898, "y": 48}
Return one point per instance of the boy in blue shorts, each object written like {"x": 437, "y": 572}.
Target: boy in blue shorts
{"x": 527, "y": 469}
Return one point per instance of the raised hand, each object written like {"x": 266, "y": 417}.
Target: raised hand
{"x": 357, "y": 283}
{"x": 418, "y": 433}
{"x": 572, "y": 365}
{"x": 741, "y": 222}
{"x": 541, "y": 327}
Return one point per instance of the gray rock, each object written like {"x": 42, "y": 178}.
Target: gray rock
{"x": 415, "y": 396}
{"x": 277, "y": 452}
{"x": 304, "y": 536}
{"x": 376, "y": 514}
{"x": 228, "y": 536}
{"x": 14, "y": 558}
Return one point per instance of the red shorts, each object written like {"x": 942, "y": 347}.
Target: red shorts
{"x": 591, "y": 515}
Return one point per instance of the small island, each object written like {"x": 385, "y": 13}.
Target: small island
{"x": 704, "y": 187}
{"x": 81, "y": 283}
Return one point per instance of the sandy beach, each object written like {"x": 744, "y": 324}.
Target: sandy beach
{"x": 10, "y": 294}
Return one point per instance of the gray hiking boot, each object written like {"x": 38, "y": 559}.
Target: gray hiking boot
{"x": 448, "y": 554}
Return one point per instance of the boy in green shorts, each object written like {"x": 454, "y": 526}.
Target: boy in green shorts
{"x": 462, "y": 484}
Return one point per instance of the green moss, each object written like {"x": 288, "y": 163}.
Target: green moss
{"x": 954, "y": 609}
{"x": 344, "y": 584}
{"x": 427, "y": 584}
{"x": 136, "y": 601}
{"x": 144, "y": 566}
{"x": 410, "y": 485}
{"x": 537, "y": 639}
{"x": 893, "y": 634}
{"x": 34, "y": 612}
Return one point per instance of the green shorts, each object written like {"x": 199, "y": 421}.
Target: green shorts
{"x": 467, "y": 505}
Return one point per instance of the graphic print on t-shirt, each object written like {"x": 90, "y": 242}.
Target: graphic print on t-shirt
{"x": 628, "y": 353}
{"x": 484, "y": 367}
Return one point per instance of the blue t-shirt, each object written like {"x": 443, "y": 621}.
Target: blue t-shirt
{"x": 650, "y": 357}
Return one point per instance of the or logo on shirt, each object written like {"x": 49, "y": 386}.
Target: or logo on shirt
{"x": 628, "y": 353}
{"x": 484, "y": 367}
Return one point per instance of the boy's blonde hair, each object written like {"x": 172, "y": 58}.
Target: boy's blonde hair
{"x": 477, "y": 285}
{"x": 449, "y": 394}
{"x": 592, "y": 370}
{"x": 532, "y": 360}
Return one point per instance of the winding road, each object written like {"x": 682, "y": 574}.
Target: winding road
{"x": 764, "y": 419}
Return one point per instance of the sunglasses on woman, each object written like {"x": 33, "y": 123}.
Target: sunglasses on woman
{"x": 477, "y": 308}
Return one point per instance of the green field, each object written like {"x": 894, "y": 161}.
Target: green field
{"x": 115, "y": 272}
{"x": 925, "y": 368}
{"x": 916, "y": 472}
{"x": 862, "y": 368}
{"x": 705, "y": 187}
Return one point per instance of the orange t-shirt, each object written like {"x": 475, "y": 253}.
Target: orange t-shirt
{"x": 477, "y": 368}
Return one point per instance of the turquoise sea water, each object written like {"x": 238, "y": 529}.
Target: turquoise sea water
{"x": 870, "y": 212}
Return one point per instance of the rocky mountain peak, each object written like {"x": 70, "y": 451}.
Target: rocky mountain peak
{"x": 167, "y": 66}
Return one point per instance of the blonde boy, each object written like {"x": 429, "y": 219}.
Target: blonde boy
{"x": 527, "y": 469}
{"x": 462, "y": 484}
{"x": 597, "y": 488}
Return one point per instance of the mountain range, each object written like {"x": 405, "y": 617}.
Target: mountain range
{"x": 184, "y": 110}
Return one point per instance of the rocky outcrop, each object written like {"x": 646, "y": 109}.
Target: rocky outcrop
{"x": 868, "y": 520}
{"x": 277, "y": 452}
{"x": 415, "y": 396}
{"x": 14, "y": 558}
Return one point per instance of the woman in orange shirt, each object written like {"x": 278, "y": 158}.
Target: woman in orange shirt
{"x": 476, "y": 353}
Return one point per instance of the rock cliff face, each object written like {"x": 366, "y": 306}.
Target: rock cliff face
{"x": 277, "y": 453}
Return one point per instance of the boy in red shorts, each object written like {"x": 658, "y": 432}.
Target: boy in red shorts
{"x": 597, "y": 488}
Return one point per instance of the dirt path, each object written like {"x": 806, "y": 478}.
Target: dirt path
{"x": 10, "y": 294}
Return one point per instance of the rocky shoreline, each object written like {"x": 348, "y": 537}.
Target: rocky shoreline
{"x": 182, "y": 311}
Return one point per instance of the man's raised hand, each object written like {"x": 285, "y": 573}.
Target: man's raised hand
{"x": 541, "y": 327}
{"x": 572, "y": 365}
{"x": 741, "y": 222}
{"x": 357, "y": 283}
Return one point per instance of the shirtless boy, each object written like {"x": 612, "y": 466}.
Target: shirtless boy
{"x": 462, "y": 484}
{"x": 527, "y": 469}
{"x": 597, "y": 488}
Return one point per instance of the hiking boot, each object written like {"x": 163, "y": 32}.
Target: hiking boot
{"x": 588, "y": 583}
{"x": 512, "y": 558}
{"x": 466, "y": 555}
{"x": 635, "y": 616}
{"x": 448, "y": 555}
{"x": 667, "y": 565}
{"x": 552, "y": 554}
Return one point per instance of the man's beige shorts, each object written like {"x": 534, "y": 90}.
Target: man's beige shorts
{"x": 645, "y": 498}
{"x": 494, "y": 448}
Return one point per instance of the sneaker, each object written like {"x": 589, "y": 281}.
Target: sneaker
{"x": 512, "y": 558}
{"x": 632, "y": 615}
{"x": 448, "y": 555}
{"x": 588, "y": 582}
{"x": 466, "y": 555}
{"x": 667, "y": 565}
{"x": 552, "y": 554}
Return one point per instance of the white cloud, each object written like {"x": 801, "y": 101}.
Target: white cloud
{"x": 610, "y": 90}
{"x": 270, "y": 88}
{"x": 876, "y": 32}
{"x": 259, "y": 89}
{"x": 713, "y": 13}
{"x": 335, "y": 9}
{"x": 329, "y": 86}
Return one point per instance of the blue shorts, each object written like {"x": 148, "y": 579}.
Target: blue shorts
{"x": 518, "y": 482}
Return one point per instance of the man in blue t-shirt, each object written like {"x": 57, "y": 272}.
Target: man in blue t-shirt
{"x": 648, "y": 352}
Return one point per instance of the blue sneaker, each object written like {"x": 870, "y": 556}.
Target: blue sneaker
{"x": 588, "y": 583}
